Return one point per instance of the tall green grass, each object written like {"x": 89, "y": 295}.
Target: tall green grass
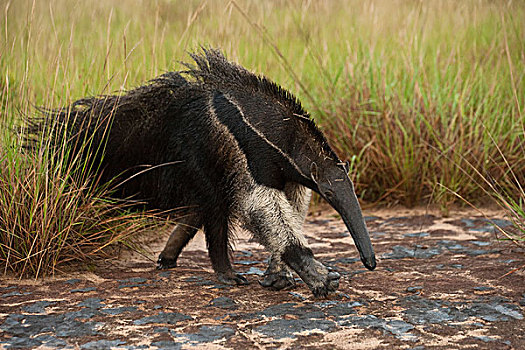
{"x": 410, "y": 89}
{"x": 415, "y": 93}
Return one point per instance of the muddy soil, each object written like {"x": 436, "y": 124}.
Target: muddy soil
{"x": 440, "y": 284}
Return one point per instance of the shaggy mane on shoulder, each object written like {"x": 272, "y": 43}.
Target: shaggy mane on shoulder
{"x": 214, "y": 70}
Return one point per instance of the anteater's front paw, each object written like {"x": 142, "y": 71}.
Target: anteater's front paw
{"x": 231, "y": 278}
{"x": 329, "y": 285}
{"x": 278, "y": 280}
{"x": 164, "y": 263}
{"x": 319, "y": 278}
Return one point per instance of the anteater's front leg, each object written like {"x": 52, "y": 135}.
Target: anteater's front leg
{"x": 274, "y": 223}
{"x": 278, "y": 275}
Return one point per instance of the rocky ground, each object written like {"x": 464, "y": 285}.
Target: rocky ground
{"x": 440, "y": 284}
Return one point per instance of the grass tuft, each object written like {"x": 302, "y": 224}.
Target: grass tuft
{"x": 52, "y": 211}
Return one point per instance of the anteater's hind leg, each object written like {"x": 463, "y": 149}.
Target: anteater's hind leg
{"x": 184, "y": 231}
{"x": 216, "y": 232}
{"x": 272, "y": 219}
{"x": 278, "y": 275}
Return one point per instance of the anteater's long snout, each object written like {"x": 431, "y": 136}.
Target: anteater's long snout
{"x": 348, "y": 207}
{"x": 359, "y": 233}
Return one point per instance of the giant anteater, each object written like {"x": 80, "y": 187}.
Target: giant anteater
{"x": 230, "y": 147}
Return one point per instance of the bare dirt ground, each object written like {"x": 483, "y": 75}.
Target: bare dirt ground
{"x": 439, "y": 285}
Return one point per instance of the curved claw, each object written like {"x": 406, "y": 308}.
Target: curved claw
{"x": 232, "y": 278}
{"x": 331, "y": 284}
{"x": 165, "y": 263}
{"x": 332, "y": 281}
{"x": 278, "y": 281}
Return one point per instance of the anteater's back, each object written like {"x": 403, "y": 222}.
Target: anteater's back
{"x": 181, "y": 139}
{"x": 158, "y": 142}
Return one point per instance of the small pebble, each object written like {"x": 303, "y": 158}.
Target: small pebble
{"x": 72, "y": 281}
{"x": 83, "y": 290}
{"x": 297, "y": 295}
{"x": 483, "y": 288}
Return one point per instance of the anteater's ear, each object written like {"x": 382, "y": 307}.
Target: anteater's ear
{"x": 347, "y": 166}
{"x": 314, "y": 172}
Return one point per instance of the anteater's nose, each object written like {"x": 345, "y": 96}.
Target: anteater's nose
{"x": 369, "y": 262}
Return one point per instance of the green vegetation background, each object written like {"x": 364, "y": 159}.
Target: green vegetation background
{"x": 426, "y": 98}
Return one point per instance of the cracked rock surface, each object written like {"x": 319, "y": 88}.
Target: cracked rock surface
{"x": 439, "y": 284}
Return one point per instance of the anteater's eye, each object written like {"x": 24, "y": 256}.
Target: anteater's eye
{"x": 329, "y": 194}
